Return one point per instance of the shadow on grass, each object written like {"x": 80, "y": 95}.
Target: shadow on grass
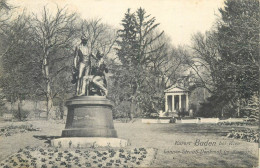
{"x": 47, "y": 139}
{"x": 194, "y": 128}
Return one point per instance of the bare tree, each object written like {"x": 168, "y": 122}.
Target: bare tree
{"x": 53, "y": 33}
{"x": 4, "y": 13}
{"x": 204, "y": 60}
{"x": 100, "y": 36}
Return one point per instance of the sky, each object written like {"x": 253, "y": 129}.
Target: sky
{"x": 179, "y": 19}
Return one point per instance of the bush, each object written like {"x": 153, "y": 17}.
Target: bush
{"x": 207, "y": 109}
{"x": 3, "y": 110}
{"x": 217, "y": 106}
{"x": 251, "y": 109}
{"x": 11, "y": 129}
{"x": 121, "y": 110}
{"x": 248, "y": 135}
{"x": 21, "y": 115}
{"x": 154, "y": 115}
{"x": 245, "y": 123}
{"x": 194, "y": 109}
{"x": 183, "y": 113}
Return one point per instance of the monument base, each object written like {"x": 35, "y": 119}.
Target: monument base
{"x": 89, "y": 116}
{"x": 88, "y": 142}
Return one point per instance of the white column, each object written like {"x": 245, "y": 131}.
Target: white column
{"x": 179, "y": 101}
{"x": 173, "y": 104}
{"x": 166, "y": 102}
{"x": 187, "y": 101}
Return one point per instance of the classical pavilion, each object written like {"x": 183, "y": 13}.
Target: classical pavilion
{"x": 176, "y": 99}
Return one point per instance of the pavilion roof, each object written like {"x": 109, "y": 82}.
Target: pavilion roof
{"x": 175, "y": 89}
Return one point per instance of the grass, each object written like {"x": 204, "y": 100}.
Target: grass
{"x": 11, "y": 129}
{"x": 164, "y": 136}
{"x": 177, "y": 145}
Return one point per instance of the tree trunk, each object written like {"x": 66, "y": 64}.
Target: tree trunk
{"x": 61, "y": 106}
{"x": 48, "y": 87}
{"x": 48, "y": 105}
{"x": 36, "y": 110}
{"x": 19, "y": 115}
{"x": 238, "y": 108}
{"x": 130, "y": 115}
{"x": 12, "y": 108}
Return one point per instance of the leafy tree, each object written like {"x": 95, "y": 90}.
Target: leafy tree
{"x": 5, "y": 15}
{"x": 18, "y": 62}
{"x": 227, "y": 60}
{"x": 251, "y": 109}
{"x": 128, "y": 39}
{"x": 138, "y": 46}
{"x": 3, "y": 108}
{"x": 238, "y": 34}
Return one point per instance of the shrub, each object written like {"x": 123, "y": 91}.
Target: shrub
{"x": 121, "y": 110}
{"x": 194, "y": 109}
{"x": 21, "y": 114}
{"x": 251, "y": 109}
{"x": 207, "y": 109}
{"x": 245, "y": 123}
{"x": 183, "y": 113}
{"x": 3, "y": 110}
{"x": 248, "y": 135}
{"x": 154, "y": 115}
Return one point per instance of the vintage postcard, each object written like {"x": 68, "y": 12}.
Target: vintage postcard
{"x": 129, "y": 83}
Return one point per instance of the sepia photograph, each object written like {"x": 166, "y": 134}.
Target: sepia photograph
{"x": 129, "y": 83}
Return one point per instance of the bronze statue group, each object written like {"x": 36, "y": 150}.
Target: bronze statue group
{"x": 89, "y": 71}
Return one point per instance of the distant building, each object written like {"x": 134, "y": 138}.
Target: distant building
{"x": 176, "y": 99}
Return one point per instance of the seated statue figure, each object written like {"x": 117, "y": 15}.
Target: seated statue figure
{"x": 99, "y": 83}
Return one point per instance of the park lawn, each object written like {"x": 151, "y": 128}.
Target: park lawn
{"x": 166, "y": 139}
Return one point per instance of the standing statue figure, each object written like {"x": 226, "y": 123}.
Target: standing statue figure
{"x": 81, "y": 66}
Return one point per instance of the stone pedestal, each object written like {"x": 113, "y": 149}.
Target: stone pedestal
{"x": 89, "y": 116}
{"x": 88, "y": 142}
